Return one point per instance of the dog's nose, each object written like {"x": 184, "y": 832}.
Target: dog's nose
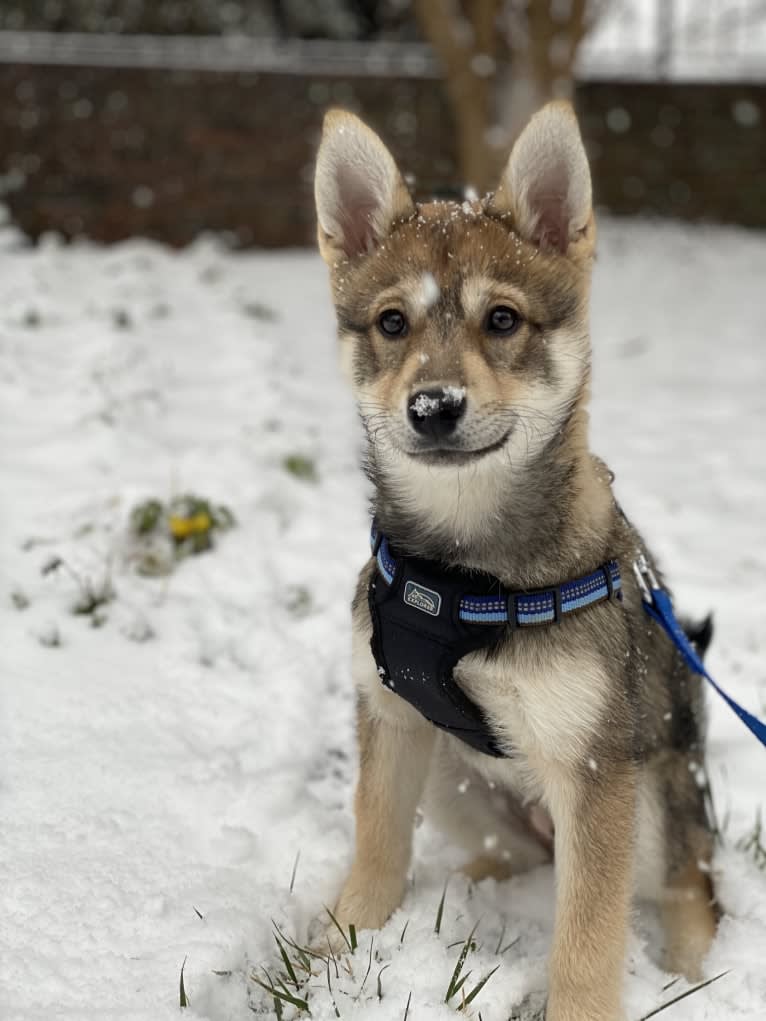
{"x": 436, "y": 413}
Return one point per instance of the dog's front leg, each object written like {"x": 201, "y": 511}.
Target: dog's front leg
{"x": 394, "y": 752}
{"x": 594, "y": 844}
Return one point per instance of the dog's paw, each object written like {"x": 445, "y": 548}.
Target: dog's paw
{"x": 325, "y": 938}
{"x": 577, "y": 1012}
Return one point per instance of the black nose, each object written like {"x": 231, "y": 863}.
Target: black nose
{"x": 436, "y": 413}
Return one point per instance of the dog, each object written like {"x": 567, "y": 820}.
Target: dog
{"x": 464, "y": 331}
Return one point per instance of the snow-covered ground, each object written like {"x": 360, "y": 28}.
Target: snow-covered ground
{"x": 161, "y": 773}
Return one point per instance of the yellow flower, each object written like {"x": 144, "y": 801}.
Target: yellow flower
{"x": 182, "y": 528}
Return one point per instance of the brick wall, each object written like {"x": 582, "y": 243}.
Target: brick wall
{"x": 111, "y": 153}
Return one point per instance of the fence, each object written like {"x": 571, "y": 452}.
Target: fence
{"x": 111, "y": 136}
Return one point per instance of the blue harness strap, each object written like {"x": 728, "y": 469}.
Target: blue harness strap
{"x": 659, "y": 606}
{"x": 520, "y": 609}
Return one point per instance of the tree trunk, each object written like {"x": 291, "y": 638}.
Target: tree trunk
{"x": 467, "y": 50}
{"x": 500, "y": 66}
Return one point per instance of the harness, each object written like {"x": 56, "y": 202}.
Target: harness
{"x": 426, "y": 617}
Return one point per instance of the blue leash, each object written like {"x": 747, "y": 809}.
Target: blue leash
{"x": 658, "y": 605}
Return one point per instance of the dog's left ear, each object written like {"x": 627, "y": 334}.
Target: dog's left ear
{"x": 358, "y": 188}
{"x": 546, "y": 183}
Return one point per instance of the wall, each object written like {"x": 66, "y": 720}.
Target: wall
{"x": 114, "y": 152}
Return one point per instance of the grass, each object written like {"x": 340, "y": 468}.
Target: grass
{"x": 682, "y": 996}
{"x": 301, "y": 467}
{"x": 280, "y": 995}
{"x": 458, "y": 981}
{"x": 183, "y": 999}
{"x": 350, "y": 939}
{"x": 91, "y": 596}
{"x": 295, "y": 869}
{"x": 440, "y": 910}
{"x": 407, "y": 1008}
{"x": 298, "y": 973}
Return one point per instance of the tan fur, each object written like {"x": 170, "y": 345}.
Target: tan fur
{"x": 546, "y": 184}
{"x": 690, "y": 917}
{"x": 593, "y": 873}
{"x": 393, "y": 767}
{"x": 486, "y": 866}
{"x": 349, "y": 147}
{"x": 593, "y": 709}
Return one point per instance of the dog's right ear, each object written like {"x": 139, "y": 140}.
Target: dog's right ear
{"x": 358, "y": 188}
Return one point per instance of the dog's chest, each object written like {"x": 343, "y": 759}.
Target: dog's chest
{"x": 542, "y": 700}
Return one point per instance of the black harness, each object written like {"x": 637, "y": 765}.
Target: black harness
{"x": 426, "y": 617}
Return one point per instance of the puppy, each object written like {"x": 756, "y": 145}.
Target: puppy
{"x": 573, "y": 728}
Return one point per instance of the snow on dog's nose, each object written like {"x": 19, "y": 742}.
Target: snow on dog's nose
{"x": 435, "y": 413}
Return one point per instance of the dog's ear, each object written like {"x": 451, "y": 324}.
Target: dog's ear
{"x": 546, "y": 183}
{"x": 358, "y": 188}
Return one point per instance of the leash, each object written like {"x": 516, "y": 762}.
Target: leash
{"x": 658, "y": 605}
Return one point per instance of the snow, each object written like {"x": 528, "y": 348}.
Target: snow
{"x": 429, "y": 291}
{"x": 176, "y": 760}
{"x": 425, "y": 406}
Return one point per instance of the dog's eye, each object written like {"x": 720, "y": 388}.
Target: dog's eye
{"x": 503, "y": 321}
{"x": 392, "y": 323}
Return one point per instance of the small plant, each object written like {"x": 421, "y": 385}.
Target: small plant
{"x": 50, "y": 636}
{"x": 301, "y": 467}
{"x": 299, "y": 973}
{"x": 257, "y": 310}
{"x": 91, "y": 596}
{"x": 289, "y": 984}
{"x": 163, "y": 534}
{"x": 458, "y": 980}
{"x": 298, "y": 601}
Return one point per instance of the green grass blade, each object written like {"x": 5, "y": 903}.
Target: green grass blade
{"x": 286, "y": 961}
{"x": 352, "y": 937}
{"x": 279, "y": 994}
{"x": 338, "y": 926}
{"x": 509, "y": 945}
{"x": 452, "y": 987}
{"x": 478, "y": 988}
{"x": 329, "y": 990}
{"x": 295, "y": 869}
{"x": 407, "y": 1008}
{"x": 440, "y": 911}
{"x": 682, "y": 996}
{"x": 304, "y": 953}
{"x": 459, "y": 985}
{"x": 404, "y": 930}
{"x": 332, "y": 958}
{"x": 380, "y": 984}
{"x": 182, "y": 997}
{"x": 367, "y": 973}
